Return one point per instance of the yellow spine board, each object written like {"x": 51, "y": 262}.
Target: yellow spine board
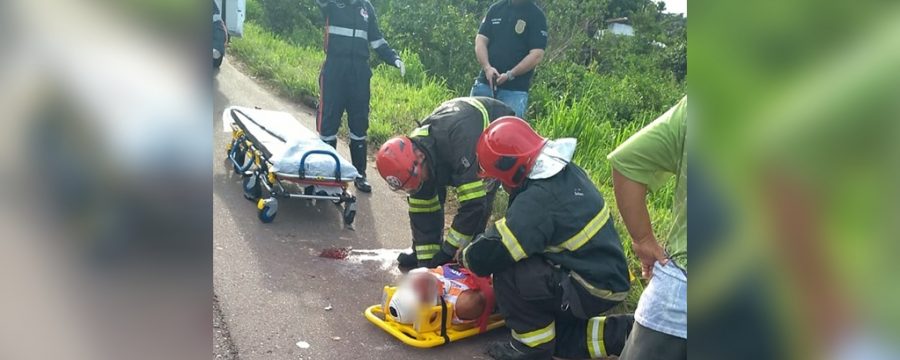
{"x": 425, "y": 333}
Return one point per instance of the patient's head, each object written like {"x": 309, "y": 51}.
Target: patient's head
{"x": 470, "y": 304}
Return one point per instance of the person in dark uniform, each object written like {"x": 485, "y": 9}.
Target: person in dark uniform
{"x": 438, "y": 154}
{"x": 351, "y": 27}
{"x": 556, "y": 258}
{"x": 509, "y": 45}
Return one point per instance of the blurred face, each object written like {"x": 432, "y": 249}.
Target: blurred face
{"x": 425, "y": 286}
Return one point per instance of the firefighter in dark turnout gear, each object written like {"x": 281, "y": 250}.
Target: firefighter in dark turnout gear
{"x": 351, "y": 27}
{"x": 438, "y": 154}
{"x": 557, "y": 260}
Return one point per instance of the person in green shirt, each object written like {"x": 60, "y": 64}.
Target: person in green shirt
{"x": 647, "y": 160}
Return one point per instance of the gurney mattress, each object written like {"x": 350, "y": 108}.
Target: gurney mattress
{"x": 287, "y": 141}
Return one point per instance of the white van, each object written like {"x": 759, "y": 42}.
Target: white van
{"x": 228, "y": 20}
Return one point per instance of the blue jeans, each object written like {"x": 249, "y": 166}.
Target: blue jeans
{"x": 663, "y": 304}
{"x": 517, "y": 100}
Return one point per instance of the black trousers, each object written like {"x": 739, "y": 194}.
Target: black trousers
{"x": 649, "y": 344}
{"x": 433, "y": 223}
{"x": 344, "y": 87}
{"x": 530, "y": 296}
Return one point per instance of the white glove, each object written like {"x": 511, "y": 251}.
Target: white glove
{"x": 399, "y": 64}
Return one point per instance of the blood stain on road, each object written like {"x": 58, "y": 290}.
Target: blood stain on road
{"x": 336, "y": 253}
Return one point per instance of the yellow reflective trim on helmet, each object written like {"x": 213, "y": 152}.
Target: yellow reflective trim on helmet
{"x": 582, "y": 237}
{"x": 509, "y": 241}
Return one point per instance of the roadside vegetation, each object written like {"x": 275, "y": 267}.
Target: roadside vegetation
{"x": 600, "y": 89}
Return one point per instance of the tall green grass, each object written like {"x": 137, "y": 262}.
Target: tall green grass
{"x": 294, "y": 71}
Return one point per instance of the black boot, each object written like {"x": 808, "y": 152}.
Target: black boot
{"x": 332, "y": 143}
{"x": 407, "y": 261}
{"x": 362, "y": 184}
{"x": 358, "y": 157}
{"x": 509, "y": 351}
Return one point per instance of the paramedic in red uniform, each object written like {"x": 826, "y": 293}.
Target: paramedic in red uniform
{"x": 350, "y": 29}
{"x": 438, "y": 154}
{"x": 556, "y": 258}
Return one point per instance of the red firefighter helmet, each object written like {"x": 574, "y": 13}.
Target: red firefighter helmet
{"x": 399, "y": 164}
{"x": 507, "y": 150}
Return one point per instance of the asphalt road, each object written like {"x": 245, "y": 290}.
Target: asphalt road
{"x": 271, "y": 285}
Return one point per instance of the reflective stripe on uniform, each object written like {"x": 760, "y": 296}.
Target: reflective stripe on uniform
{"x": 426, "y": 252}
{"x": 419, "y": 131}
{"x": 328, "y": 138}
{"x": 377, "y": 43}
{"x": 537, "y": 337}
{"x": 582, "y": 237}
{"x": 478, "y": 105}
{"x": 596, "y": 346}
{"x": 455, "y": 237}
{"x": 462, "y": 257}
{"x": 348, "y": 32}
{"x": 356, "y": 137}
{"x": 470, "y": 191}
{"x": 509, "y": 241}
{"x": 424, "y": 205}
{"x": 600, "y": 293}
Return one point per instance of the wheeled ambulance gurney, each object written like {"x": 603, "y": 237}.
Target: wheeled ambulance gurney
{"x": 279, "y": 158}
{"x": 433, "y": 325}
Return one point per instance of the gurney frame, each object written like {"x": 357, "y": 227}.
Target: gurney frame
{"x": 264, "y": 186}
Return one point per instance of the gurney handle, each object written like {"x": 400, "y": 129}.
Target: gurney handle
{"x": 337, "y": 163}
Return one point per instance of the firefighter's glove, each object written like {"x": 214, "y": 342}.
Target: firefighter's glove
{"x": 440, "y": 258}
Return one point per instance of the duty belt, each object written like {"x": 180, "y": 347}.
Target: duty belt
{"x": 348, "y": 32}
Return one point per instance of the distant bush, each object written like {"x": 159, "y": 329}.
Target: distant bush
{"x": 255, "y": 12}
{"x": 444, "y": 30}
{"x": 297, "y": 20}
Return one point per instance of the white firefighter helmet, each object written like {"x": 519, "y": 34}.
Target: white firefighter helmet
{"x": 404, "y": 305}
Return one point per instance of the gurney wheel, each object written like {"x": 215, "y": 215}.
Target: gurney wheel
{"x": 349, "y": 214}
{"x": 239, "y": 157}
{"x": 268, "y": 208}
{"x": 252, "y": 187}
